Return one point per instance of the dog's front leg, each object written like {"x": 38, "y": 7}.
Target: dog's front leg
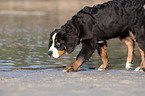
{"x": 84, "y": 55}
{"x": 74, "y": 66}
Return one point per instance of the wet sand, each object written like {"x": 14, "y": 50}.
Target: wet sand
{"x": 82, "y": 83}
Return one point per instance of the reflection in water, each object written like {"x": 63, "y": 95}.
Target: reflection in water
{"x": 24, "y": 41}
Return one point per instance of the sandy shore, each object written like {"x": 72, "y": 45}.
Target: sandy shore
{"x": 83, "y": 83}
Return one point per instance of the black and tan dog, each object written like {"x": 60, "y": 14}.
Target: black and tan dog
{"x": 92, "y": 26}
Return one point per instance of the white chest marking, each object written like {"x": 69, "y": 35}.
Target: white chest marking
{"x": 52, "y": 48}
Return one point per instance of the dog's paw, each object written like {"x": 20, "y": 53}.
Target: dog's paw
{"x": 139, "y": 69}
{"x": 69, "y": 69}
{"x": 102, "y": 67}
{"x": 128, "y": 66}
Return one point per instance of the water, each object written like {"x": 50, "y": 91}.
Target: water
{"x": 24, "y": 41}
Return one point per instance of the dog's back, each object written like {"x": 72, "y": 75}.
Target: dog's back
{"x": 116, "y": 16}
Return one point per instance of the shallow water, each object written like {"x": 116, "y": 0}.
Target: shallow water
{"x": 24, "y": 41}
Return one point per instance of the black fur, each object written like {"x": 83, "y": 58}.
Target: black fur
{"x": 102, "y": 22}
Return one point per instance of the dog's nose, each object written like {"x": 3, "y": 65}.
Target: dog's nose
{"x": 49, "y": 53}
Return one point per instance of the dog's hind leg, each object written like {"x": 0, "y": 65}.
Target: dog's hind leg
{"x": 142, "y": 61}
{"x": 142, "y": 65}
{"x": 84, "y": 55}
{"x": 103, "y": 53}
{"x": 130, "y": 44}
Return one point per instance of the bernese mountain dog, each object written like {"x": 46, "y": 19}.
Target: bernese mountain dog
{"x": 93, "y": 26}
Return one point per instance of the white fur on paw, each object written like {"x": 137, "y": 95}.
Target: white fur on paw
{"x": 128, "y": 65}
{"x": 138, "y": 69}
{"x": 64, "y": 71}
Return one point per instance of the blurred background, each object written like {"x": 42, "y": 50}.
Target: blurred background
{"x": 25, "y": 26}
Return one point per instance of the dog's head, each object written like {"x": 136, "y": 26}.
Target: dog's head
{"x": 56, "y": 45}
{"x": 60, "y": 43}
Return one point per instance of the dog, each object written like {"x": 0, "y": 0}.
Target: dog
{"x": 93, "y": 26}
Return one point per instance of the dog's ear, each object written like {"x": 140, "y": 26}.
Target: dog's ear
{"x": 71, "y": 42}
